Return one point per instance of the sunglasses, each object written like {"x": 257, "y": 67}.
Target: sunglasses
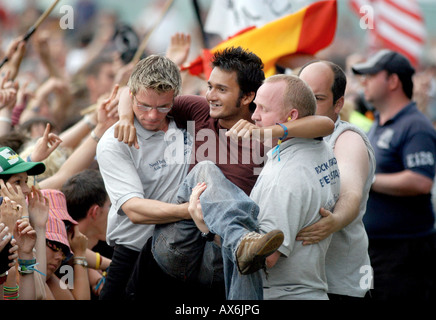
{"x": 57, "y": 247}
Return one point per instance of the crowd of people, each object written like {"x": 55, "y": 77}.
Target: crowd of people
{"x": 133, "y": 180}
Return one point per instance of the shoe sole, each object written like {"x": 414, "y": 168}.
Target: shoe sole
{"x": 271, "y": 245}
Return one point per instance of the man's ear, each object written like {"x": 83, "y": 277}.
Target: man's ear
{"x": 339, "y": 104}
{"x": 93, "y": 211}
{"x": 248, "y": 98}
{"x": 394, "y": 81}
{"x": 292, "y": 115}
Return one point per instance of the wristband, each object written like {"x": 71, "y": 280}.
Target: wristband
{"x": 29, "y": 262}
{"x": 28, "y": 266}
{"x": 98, "y": 260}
{"x": 88, "y": 122}
{"x": 7, "y": 120}
{"x": 277, "y": 148}
{"x": 102, "y": 279}
{"x": 94, "y": 136}
{"x": 11, "y": 293}
{"x": 285, "y": 135}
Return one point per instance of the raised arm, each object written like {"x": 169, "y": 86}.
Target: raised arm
{"x": 83, "y": 156}
{"x": 8, "y": 99}
{"x": 26, "y": 239}
{"x": 78, "y": 243}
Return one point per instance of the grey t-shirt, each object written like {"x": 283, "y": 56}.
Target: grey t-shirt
{"x": 155, "y": 171}
{"x": 290, "y": 193}
{"x": 348, "y": 265}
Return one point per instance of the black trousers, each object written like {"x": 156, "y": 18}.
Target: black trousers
{"x": 119, "y": 273}
{"x": 150, "y": 283}
{"x": 404, "y": 269}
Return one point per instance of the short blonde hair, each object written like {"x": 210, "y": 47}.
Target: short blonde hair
{"x": 157, "y": 73}
{"x": 297, "y": 95}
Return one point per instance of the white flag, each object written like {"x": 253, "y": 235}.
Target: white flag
{"x": 227, "y": 17}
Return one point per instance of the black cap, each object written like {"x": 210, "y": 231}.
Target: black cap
{"x": 388, "y": 60}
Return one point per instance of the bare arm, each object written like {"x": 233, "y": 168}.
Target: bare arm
{"x": 78, "y": 242}
{"x": 147, "y": 211}
{"x": 404, "y": 183}
{"x": 26, "y": 238}
{"x": 353, "y": 162}
{"x": 8, "y": 93}
{"x": 125, "y": 130}
{"x": 83, "y": 156}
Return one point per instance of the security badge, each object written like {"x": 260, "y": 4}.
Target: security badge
{"x": 385, "y": 139}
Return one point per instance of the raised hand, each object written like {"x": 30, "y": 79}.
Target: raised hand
{"x": 179, "y": 47}
{"x": 45, "y": 145}
{"x": 15, "y": 54}
{"x": 26, "y": 238}
{"x": 14, "y": 193}
{"x": 10, "y": 212}
{"x": 8, "y": 93}
{"x": 38, "y": 208}
{"x": 78, "y": 242}
{"x": 107, "y": 112}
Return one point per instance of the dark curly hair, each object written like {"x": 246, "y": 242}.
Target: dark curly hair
{"x": 248, "y": 68}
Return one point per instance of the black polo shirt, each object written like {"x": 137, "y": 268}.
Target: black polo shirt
{"x": 407, "y": 141}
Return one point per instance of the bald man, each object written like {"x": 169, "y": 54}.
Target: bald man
{"x": 349, "y": 274}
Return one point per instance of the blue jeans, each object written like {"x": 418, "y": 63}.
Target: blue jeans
{"x": 178, "y": 247}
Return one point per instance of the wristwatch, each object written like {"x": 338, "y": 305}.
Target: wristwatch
{"x": 208, "y": 236}
{"x": 81, "y": 261}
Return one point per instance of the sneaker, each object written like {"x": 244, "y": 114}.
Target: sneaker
{"x": 254, "y": 248}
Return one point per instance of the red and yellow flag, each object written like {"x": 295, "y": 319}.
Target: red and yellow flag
{"x": 307, "y": 31}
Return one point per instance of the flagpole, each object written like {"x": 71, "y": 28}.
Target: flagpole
{"x": 200, "y": 22}
{"x": 144, "y": 42}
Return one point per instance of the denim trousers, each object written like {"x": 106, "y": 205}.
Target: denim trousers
{"x": 179, "y": 249}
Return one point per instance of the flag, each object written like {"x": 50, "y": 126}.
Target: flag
{"x": 308, "y": 30}
{"x": 228, "y": 17}
{"x": 394, "y": 24}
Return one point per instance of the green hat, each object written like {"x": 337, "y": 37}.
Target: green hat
{"x": 11, "y": 163}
